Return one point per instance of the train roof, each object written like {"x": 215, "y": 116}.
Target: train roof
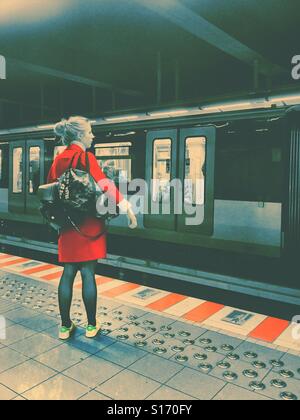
{"x": 274, "y": 106}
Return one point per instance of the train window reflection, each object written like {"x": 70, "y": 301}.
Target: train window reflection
{"x": 34, "y": 169}
{"x": 115, "y": 161}
{"x": 17, "y": 170}
{"x": 162, "y": 149}
{"x": 113, "y": 149}
{"x": 194, "y": 179}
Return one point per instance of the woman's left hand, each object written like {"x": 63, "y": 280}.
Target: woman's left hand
{"x": 125, "y": 206}
{"x": 131, "y": 216}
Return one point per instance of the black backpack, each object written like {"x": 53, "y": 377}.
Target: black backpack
{"x": 70, "y": 200}
{"x": 77, "y": 189}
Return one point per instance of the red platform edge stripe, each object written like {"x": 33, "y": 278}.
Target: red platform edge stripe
{"x": 38, "y": 269}
{"x": 203, "y": 311}
{"x": 270, "y": 329}
{"x": 13, "y": 262}
{"x": 166, "y": 302}
{"x": 119, "y": 290}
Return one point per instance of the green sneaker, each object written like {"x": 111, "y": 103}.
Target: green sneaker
{"x": 91, "y": 331}
{"x": 65, "y": 333}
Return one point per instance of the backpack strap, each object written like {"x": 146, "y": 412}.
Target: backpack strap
{"x": 77, "y": 154}
{"x": 80, "y": 232}
{"x": 87, "y": 161}
{"x": 83, "y": 234}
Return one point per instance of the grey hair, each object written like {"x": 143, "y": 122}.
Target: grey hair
{"x": 71, "y": 129}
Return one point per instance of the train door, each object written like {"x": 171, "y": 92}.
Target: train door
{"x": 16, "y": 198}
{"x": 180, "y": 171}
{"x": 160, "y": 170}
{"x": 196, "y": 153}
{"x": 25, "y": 175}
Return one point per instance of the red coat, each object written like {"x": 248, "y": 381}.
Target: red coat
{"x": 73, "y": 247}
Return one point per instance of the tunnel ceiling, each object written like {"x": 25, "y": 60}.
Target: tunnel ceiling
{"x": 97, "y": 56}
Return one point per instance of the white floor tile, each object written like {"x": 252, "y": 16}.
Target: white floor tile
{"x": 184, "y": 306}
{"x": 110, "y": 285}
{"x": 286, "y": 339}
{"x": 8, "y": 259}
{"x": 49, "y": 271}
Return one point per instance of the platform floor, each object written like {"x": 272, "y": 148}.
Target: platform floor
{"x": 153, "y": 345}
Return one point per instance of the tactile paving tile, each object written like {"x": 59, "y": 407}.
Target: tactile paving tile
{"x": 165, "y": 347}
{"x": 140, "y": 336}
{"x": 182, "y": 330}
{"x": 114, "y": 328}
{"x": 240, "y": 373}
{"x": 223, "y": 343}
{"x": 135, "y": 332}
{"x": 280, "y": 388}
{"x": 263, "y": 354}
{"x": 109, "y": 304}
{"x": 28, "y": 294}
{"x": 128, "y": 311}
{"x": 196, "y": 358}
{"x": 26, "y": 291}
{"x": 291, "y": 367}
{"x": 158, "y": 320}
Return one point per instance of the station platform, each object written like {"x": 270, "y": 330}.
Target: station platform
{"x": 154, "y": 345}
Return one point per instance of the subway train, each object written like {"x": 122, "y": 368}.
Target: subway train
{"x": 247, "y": 157}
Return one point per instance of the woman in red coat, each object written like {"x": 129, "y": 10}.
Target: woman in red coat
{"x": 76, "y": 251}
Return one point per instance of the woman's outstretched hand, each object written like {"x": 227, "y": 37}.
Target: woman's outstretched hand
{"x": 126, "y": 206}
{"x": 132, "y": 219}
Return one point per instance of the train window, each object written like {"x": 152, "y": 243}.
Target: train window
{"x": 194, "y": 180}
{"x": 17, "y": 170}
{"x": 115, "y": 161}
{"x": 34, "y": 169}
{"x": 113, "y": 149}
{"x": 4, "y": 165}
{"x": 249, "y": 166}
{"x": 58, "y": 150}
{"x": 162, "y": 152}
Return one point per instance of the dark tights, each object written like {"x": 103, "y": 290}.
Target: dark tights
{"x": 89, "y": 291}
